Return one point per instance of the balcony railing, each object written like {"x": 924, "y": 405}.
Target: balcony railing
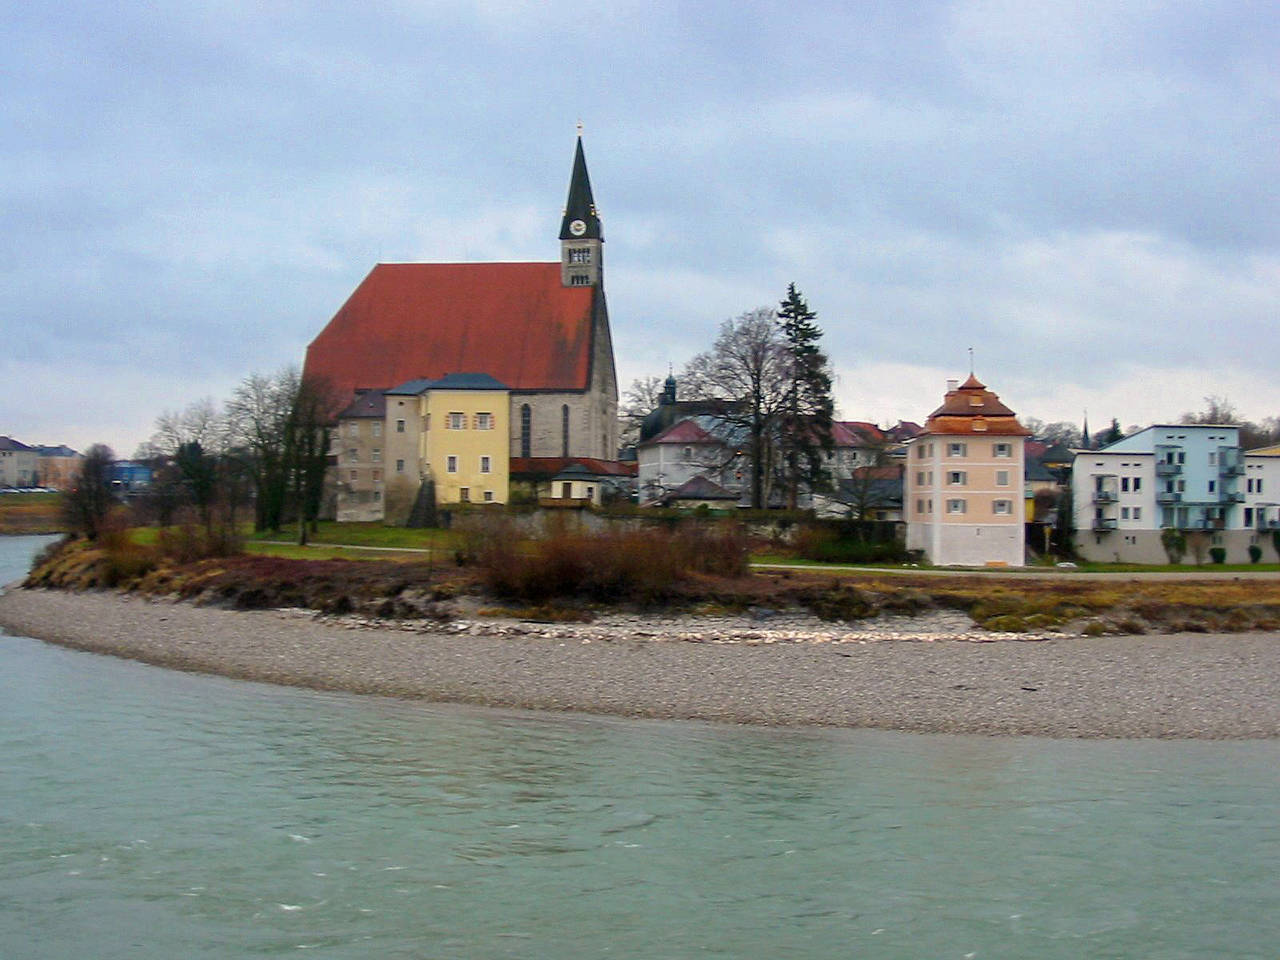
{"x": 1235, "y": 469}
{"x": 1104, "y": 524}
{"x": 1231, "y": 496}
{"x": 1165, "y": 496}
{"x": 1104, "y": 496}
{"x": 1168, "y": 469}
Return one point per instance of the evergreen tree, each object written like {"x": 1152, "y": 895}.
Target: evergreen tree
{"x": 808, "y": 411}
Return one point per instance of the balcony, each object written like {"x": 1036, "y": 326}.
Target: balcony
{"x": 1207, "y": 525}
{"x": 1230, "y": 469}
{"x": 1104, "y": 524}
{"x": 1104, "y": 496}
{"x": 1168, "y": 469}
{"x": 1168, "y": 497}
{"x": 1231, "y": 496}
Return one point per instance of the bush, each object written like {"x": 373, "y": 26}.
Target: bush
{"x": 1255, "y": 553}
{"x": 638, "y": 565}
{"x": 1218, "y": 554}
{"x": 826, "y": 545}
{"x": 1174, "y": 543}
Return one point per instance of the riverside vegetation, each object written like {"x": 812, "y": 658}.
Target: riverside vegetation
{"x": 698, "y": 568}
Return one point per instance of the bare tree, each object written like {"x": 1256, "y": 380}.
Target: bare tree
{"x": 1063, "y": 432}
{"x": 744, "y": 376}
{"x": 1217, "y": 410}
{"x": 307, "y": 449}
{"x": 89, "y": 501}
{"x": 189, "y": 449}
{"x": 258, "y": 415}
{"x": 875, "y": 486}
{"x": 638, "y": 402}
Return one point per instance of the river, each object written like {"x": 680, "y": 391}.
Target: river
{"x": 153, "y": 814}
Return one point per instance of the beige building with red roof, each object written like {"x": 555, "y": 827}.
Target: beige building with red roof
{"x": 541, "y": 329}
{"x": 963, "y": 495}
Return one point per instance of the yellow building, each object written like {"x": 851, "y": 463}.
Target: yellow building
{"x": 453, "y": 432}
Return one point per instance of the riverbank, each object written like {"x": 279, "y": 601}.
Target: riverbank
{"x": 888, "y": 676}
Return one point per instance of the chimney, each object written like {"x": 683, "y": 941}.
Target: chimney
{"x": 951, "y": 385}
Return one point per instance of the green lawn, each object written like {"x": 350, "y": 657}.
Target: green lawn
{"x": 331, "y": 552}
{"x": 25, "y": 499}
{"x": 368, "y": 535}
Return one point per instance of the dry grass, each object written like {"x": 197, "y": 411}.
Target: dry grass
{"x": 642, "y": 565}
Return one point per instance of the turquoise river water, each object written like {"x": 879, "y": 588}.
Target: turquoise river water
{"x": 153, "y": 814}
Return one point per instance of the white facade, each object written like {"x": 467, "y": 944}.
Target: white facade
{"x": 1191, "y": 477}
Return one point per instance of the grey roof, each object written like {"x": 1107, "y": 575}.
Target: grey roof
{"x": 366, "y": 403}
{"x": 700, "y": 488}
{"x": 61, "y": 450}
{"x": 580, "y": 205}
{"x": 1034, "y": 469}
{"x": 14, "y": 446}
{"x": 450, "y": 381}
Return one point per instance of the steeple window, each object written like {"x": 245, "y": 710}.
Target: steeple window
{"x": 579, "y": 254}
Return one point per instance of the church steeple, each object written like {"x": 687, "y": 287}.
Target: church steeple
{"x": 581, "y": 235}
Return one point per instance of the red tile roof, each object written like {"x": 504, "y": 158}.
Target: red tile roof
{"x": 553, "y": 465}
{"x": 513, "y": 321}
{"x": 972, "y": 408}
{"x": 683, "y": 431}
{"x": 855, "y": 433}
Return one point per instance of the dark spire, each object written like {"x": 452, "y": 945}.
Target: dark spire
{"x": 580, "y": 205}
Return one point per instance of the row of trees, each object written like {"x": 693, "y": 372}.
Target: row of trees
{"x": 266, "y": 447}
{"x": 268, "y": 444}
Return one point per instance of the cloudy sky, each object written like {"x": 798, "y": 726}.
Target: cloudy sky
{"x": 1085, "y": 193}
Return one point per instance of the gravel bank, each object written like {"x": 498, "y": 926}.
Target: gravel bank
{"x": 929, "y": 677}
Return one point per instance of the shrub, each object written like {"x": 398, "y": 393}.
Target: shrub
{"x": 826, "y": 545}
{"x": 1174, "y": 543}
{"x": 1218, "y": 554}
{"x": 640, "y": 565}
{"x": 188, "y": 541}
{"x": 1255, "y": 553}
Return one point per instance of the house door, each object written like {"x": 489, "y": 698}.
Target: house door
{"x": 567, "y": 492}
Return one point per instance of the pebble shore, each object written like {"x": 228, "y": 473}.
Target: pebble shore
{"x": 932, "y": 674}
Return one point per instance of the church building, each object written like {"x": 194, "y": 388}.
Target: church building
{"x": 539, "y": 329}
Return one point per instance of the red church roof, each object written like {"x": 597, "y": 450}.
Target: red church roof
{"x": 513, "y": 321}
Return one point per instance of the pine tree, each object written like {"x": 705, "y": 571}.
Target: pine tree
{"x": 806, "y": 424}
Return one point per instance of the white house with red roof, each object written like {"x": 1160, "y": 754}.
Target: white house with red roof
{"x": 542, "y": 329}
{"x": 692, "y": 448}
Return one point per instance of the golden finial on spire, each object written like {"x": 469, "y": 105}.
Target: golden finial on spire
{"x": 579, "y": 128}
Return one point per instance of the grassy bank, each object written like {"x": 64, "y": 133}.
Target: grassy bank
{"x": 577, "y": 578}
{"x": 31, "y": 513}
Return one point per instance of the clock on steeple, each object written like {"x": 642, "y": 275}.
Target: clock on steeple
{"x": 581, "y": 236}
